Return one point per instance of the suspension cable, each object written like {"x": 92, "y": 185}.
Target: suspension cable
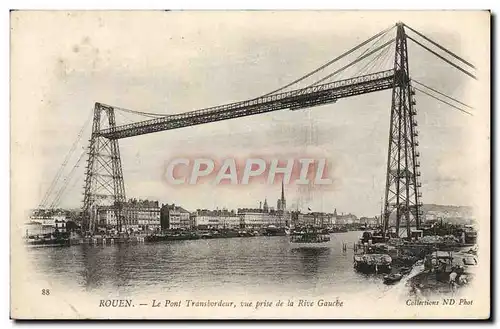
{"x": 155, "y": 116}
{"x": 67, "y": 180}
{"x": 388, "y": 60}
{"x": 441, "y": 47}
{"x": 122, "y": 115}
{"x": 381, "y": 62}
{"x": 64, "y": 164}
{"x": 371, "y": 64}
{"x": 440, "y": 93}
{"x": 71, "y": 188}
{"x": 367, "y": 65}
{"x": 354, "y": 62}
{"x": 441, "y": 57}
{"x": 330, "y": 62}
{"x": 146, "y": 114}
{"x": 378, "y": 35}
{"x": 372, "y": 46}
{"x": 442, "y": 101}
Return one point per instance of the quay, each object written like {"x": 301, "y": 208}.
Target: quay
{"x": 66, "y": 239}
{"x": 107, "y": 240}
{"x": 429, "y": 264}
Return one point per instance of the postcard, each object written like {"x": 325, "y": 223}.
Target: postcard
{"x": 250, "y": 164}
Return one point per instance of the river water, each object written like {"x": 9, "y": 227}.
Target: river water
{"x": 250, "y": 266}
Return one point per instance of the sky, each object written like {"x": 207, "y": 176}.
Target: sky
{"x": 173, "y": 62}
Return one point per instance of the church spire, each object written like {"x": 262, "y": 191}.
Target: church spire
{"x": 282, "y": 190}
{"x": 282, "y": 201}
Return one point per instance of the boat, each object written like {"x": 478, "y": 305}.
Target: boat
{"x": 207, "y": 235}
{"x": 46, "y": 242}
{"x": 470, "y": 235}
{"x": 244, "y": 234}
{"x": 309, "y": 236}
{"x": 392, "y": 278}
{"x": 272, "y": 230}
{"x": 374, "y": 237}
{"x": 338, "y": 229}
{"x": 372, "y": 263}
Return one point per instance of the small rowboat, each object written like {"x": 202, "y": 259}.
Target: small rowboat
{"x": 392, "y": 278}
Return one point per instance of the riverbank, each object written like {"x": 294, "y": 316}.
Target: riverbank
{"x": 110, "y": 239}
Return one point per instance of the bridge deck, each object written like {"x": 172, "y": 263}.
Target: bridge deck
{"x": 295, "y": 99}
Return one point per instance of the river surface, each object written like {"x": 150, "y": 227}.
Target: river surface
{"x": 250, "y": 266}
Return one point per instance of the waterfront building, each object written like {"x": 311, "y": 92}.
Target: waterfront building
{"x": 138, "y": 215}
{"x": 175, "y": 217}
{"x": 216, "y": 219}
{"x": 321, "y": 219}
{"x": 145, "y": 213}
{"x": 284, "y": 218}
{"x": 185, "y": 218}
{"x": 369, "y": 221}
{"x": 60, "y": 225}
{"x": 36, "y": 228}
{"x": 106, "y": 217}
{"x": 192, "y": 219}
{"x": 46, "y": 222}
{"x": 259, "y": 218}
{"x": 316, "y": 219}
{"x": 253, "y": 218}
{"x": 346, "y": 219}
{"x": 264, "y": 215}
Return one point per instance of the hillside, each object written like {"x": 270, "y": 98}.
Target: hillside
{"x": 448, "y": 211}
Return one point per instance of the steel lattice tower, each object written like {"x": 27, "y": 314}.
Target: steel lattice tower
{"x": 402, "y": 195}
{"x": 104, "y": 176}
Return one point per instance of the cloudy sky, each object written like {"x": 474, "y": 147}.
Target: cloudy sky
{"x": 172, "y": 62}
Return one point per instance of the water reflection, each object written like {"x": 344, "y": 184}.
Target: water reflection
{"x": 90, "y": 272}
{"x": 252, "y": 263}
{"x": 313, "y": 260}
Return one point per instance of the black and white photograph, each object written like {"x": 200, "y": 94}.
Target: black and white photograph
{"x": 250, "y": 164}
